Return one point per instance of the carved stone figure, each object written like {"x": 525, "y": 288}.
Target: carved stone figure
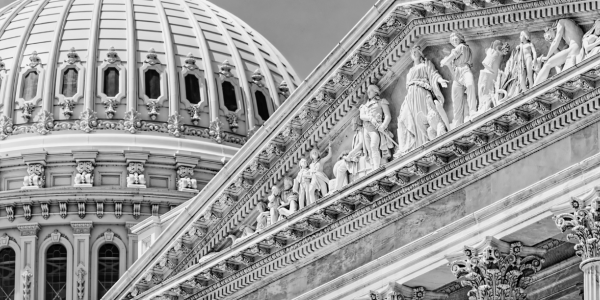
{"x": 591, "y": 40}
{"x": 459, "y": 62}
{"x": 185, "y": 182}
{"x": 136, "y": 178}
{"x": 319, "y": 181}
{"x": 85, "y": 175}
{"x": 376, "y": 114}
{"x": 563, "y": 30}
{"x": 289, "y": 199}
{"x": 302, "y": 183}
{"x": 36, "y": 178}
{"x": 422, "y": 117}
{"x": 487, "y": 76}
{"x": 526, "y": 55}
{"x": 274, "y": 203}
{"x": 348, "y": 161}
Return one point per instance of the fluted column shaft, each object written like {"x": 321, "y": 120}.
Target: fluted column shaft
{"x": 591, "y": 278}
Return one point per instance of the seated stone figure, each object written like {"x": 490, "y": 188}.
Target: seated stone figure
{"x": 289, "y": 199}
{"x": 188, "y": 183}
{"x": 136, "y": 179}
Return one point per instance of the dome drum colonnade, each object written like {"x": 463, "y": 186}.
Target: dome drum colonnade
{"x": 149, "y": 80}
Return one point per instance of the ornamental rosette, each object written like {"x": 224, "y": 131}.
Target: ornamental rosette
{"x": 6, "y": 127}
{"x": 496, "y": 270}
{"x": 175, "y": 126}
{"x": 88, "y": 121}
{"x": 45, "y": 122}
{"x": 583, "y": 225}
{"x": 132, "y": 121}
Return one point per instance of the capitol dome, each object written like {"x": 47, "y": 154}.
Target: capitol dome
{"x": 112, "y": 113}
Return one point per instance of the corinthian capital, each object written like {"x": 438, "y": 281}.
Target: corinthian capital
{"x": 580, "y": 219}
{"x": 496, "y": 269}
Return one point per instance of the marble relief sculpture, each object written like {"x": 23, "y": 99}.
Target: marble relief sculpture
{"x": 319, "y": 181}
{"x": 422, "y": 117}
{"x": 591, "y": 41}
{"x": 487, "y": 77}
{"x": 559, "y": 57}
{"x": 526, "y": 56}
{"x": 349, "y": 162}
{"x": 376, "y": 116}
{"x": 269, "y": 215}
{"x": 459, "y": 62}
{"x": 289, "y": 199}
{"x": 302, "y": 183}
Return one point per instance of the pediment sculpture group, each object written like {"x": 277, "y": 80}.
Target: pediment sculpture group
{"x": 422, "y": 117}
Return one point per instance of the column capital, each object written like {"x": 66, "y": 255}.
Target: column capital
{"x": 29, "y": 229}
{"x": 578, "y": 218}
{"x": 82, "y": 227}
{"x": 495, "y": 267}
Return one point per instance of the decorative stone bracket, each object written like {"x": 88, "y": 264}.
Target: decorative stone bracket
{"x": 496, "y": 269}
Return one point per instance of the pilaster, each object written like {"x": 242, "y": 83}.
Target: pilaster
{"x": 132, "y": 244}
{"x": 81, "y": 244}
{"x": 28, "y": 262}
{"x": 579, "y": 219}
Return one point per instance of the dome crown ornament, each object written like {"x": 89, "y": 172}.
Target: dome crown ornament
{"x": 34, "y": 60}
{"x": 190, "y": 62}
{"x": 72, "y": 57}
{"x": 151, "y": 57}
{"x": 112, "y": 56}
{"x": 225, "y": 69}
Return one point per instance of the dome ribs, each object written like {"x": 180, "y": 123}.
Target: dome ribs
{"x": 171, "y": 61}
{"x": 48, "y": 95}
{"x": 132, "y": 70}
{"x": 90, "y": 79}
{"x": 9, "y": 95}
{"x": 237, "y": 62}
{"x": 210, "y": 76}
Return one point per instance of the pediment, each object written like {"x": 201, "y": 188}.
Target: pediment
{"x": 378, "y": 52}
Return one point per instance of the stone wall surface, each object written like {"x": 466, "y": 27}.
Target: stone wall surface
{"x": 399, "y": 232}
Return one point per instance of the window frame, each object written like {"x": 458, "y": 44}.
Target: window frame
{"x": 72, "y": 62}
{"x": 35, "y": 65}
{"x": 54, "y": 238}
{"x": 270, "y": 105}
{"x": 106, "y": 238}
{"x": 8, "y": 242}
{"x": 152, "y": 63}
{"x": 112, "y": 60}
{"x": 190, "y": 68}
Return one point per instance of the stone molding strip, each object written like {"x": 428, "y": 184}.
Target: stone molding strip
{"x": 455, "y": 170}
{"x": 308, "y": 137}
{"x": 341, "y": 105}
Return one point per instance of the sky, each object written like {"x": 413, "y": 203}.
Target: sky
{"x": 304, "y": 31}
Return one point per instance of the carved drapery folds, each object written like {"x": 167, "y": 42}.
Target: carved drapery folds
{"x": 36, "y": 177}
{"x": 496, "y": 270}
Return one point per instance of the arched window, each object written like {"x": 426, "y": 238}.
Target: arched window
{"x": 56, "y": 272}
{"x": 108, "y": 268}
{"x": 261, "y": 105}
{"x": 192, "y": 89}
{"x": 152, "y": 79}
{"x": 29, "y": 87}
{"x": 69, "y": 88}
{"x": 111, "y": 82}
{"x": 7, "y": 274}
{"x": 229, "y": 96}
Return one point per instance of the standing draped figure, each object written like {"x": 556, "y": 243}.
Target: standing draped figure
{"x": 421, "y": 117}
{"x": 376, "y": 116}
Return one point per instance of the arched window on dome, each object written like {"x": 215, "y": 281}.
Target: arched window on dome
{"x": 30, "y": 85}
{"x": 69, "y": 86}
{"x": 152, "y": 84}
{"x": 7, "y": 273}
{"x": 56, "y": 272}
{"x": 111, "y": 82}
{"x": 108, "y": 268}
{"x": 229, "y": 96}
{"x": 192, "y": 89}
{"x": 261, "y": 105}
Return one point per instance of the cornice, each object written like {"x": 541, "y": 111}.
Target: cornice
{"x": 339, "y": 107}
